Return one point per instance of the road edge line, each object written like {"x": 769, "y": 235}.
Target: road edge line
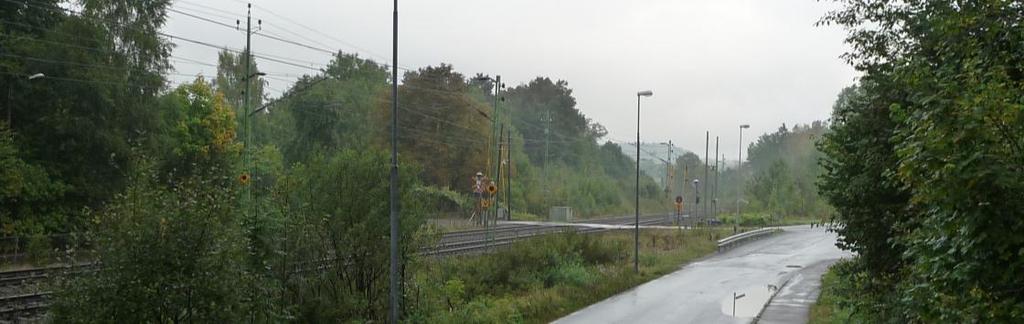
{"x": 772, "y": 297}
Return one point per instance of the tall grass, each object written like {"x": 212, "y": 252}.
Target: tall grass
{"x": 545, "y": 278}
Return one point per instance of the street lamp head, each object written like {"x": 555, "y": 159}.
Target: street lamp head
{"x": 645, "y": 93}
{"x": 36, "y": 76}
{"x": 745, "y": 126}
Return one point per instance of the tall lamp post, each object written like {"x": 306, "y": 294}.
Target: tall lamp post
{"x": 393, "y": 288}
{"x": 636, "y": 230}
{"x": 739, "y": 175}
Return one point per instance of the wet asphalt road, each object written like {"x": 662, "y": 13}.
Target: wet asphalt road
{"x": 702, "y": 292}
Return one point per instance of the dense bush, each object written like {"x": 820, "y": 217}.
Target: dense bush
{"x": 336, "y": 215}
{"x": 926, "y": 160}
{"x": 165, "y": 252}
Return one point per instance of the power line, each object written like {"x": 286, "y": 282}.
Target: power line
{"x": 101, "y": 66}
{"x": 295, "y": 43}
{"x": 200, "y": 5}
{"x": 85, "y": 81}
{"x": 221, "y": 13}
{"x": 314, "y": 30}
{"x": 268, "y": 57}
{"x": 203, "y": 18}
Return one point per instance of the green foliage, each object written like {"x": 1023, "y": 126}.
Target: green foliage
{"x": 939, "y": 120}
{"x": 337, "y": 216}
{"x": 82, "y": 132}
{"x": 440, "y": 111}
{"x": 858, "y": 179}
{"x": 572, "y": 272}
{"x": 27, "y": 192}
{"x": 231, "y": 81}
{"x": 169, "y": 252}
{"x": 784, "y": 168}
{"x": 542, "y": 279}
{"x": 204, "y": 130}
{"x": 330, "y": 111}
{"x": 748, "y": 219}
{"x": 838, "y": 294}
{"x": 39, "y": 249}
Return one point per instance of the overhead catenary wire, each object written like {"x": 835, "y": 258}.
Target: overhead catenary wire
{"x": 59, "y": 78}
{"x": 313, "y": 67}
{"x": 268, "y": 57}
{"x": 271, "y": 59}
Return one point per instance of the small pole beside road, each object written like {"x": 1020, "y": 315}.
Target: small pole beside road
{"x": 734, "y": 298}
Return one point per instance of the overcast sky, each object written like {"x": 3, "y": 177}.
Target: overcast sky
{"x": 712, "y": 64}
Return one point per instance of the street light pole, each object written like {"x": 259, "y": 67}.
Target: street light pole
{"x": 636, "y": 229}
{"x": 739, "y": 178}
{"x": 393, "y": 194}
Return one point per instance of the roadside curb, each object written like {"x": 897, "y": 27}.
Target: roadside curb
{"x": 770, "y": 298}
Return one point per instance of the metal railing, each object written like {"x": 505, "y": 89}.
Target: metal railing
{"x": 732, "y": 241}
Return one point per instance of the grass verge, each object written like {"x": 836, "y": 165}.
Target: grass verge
{"x": 542, "y": 279}
{"x": 827, "y": 309}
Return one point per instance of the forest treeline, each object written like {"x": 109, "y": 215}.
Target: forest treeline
{"x": 777, "y": 178}
{"x": 69, "y": 138}
{"x": 925, "y": 162}
{"x": 223, "y": 209}
{"x": 220, "y": 200}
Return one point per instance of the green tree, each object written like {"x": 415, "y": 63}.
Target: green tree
{"x": 441, "y": 126}
{"x": 344, "y": 235}
{"x": 334, "y": 110}
{"x": 104, "y": 71}
{"x": 204, "y": 128}
{"x": 859, "y": 182}
{"x": 26, "y": 193}
{"x": 169, "y": 252}
{"x": 231, "y": 80}
{"x": 945, "y": 76}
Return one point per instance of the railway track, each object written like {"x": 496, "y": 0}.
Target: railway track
{"x": 23, "y": 307}
{"x": 17, "y": 306}
{"x": 474, "y": 241}
{"x": 21, "y": 277}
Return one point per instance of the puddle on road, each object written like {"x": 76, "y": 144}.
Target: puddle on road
{"x": 749, "y": 305}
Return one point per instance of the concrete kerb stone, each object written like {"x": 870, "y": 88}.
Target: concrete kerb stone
{"x": 770, "y": 298}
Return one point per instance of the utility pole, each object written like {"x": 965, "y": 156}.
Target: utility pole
{"x": 720, "y": 174}
{"x": 248, "y": 197}
{"x": 707, "y": 142}
{"x": 508, "y": 169}
{"x": 714, "y": 197}
{"x": 498, "y": 130}
{"x": 547, "y": 136}
{"x": 501, "y": 131}
{"x": 669, "y": 173}
{"x": 682, "y": 190}
{"x": 393, "y": 288}
{"x": 496, "y": 133}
